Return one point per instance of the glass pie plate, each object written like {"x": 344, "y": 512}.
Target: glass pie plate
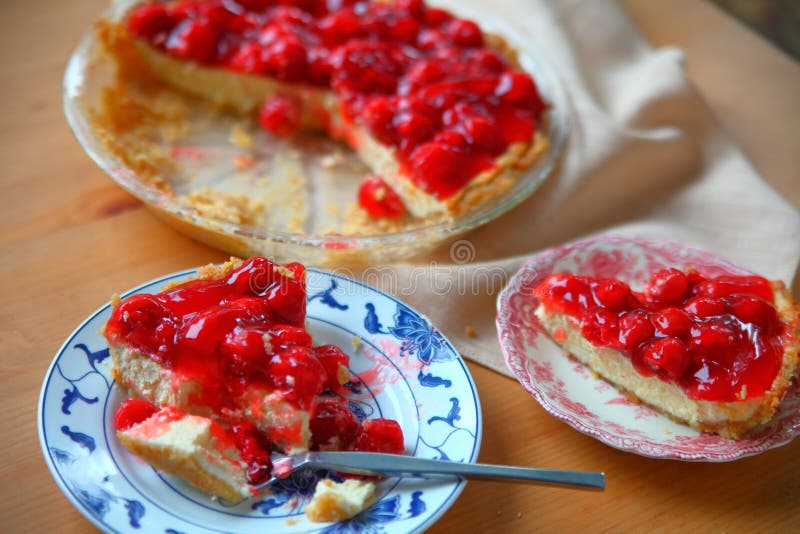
{"x": 219, "y": 179}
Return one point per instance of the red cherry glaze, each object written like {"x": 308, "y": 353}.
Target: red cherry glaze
{"x": 382, "y": 60}
{"x": 379, "y": 435}
{"x": 298, "y": 372}
{"x": 280, "y": 115}
{"x": 667, "y": 286}
{"x": 195, "y": 40}
{"x": 242, "y": 331}
{"x": 719, "y": 339}
{"x": 132, "y": 412}
{"x": 635, "y": 328}
{"x": 152, "y": 22}
{"x": 378, "y": 199}
{"x": 221, "y": 333}
{"x": 254, "y": 450}
{"x": 672, "y": 321}
{"x": 668, "y": 355}
{"x": 335, "y": 362}
{"x": 333, "y": 425}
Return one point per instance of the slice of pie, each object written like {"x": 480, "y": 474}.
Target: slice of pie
{"x": 716, "y": 353}
{"x": 192, "y": 447}
{"x": 441, "y": 111}
{"x": 227, "y": 359}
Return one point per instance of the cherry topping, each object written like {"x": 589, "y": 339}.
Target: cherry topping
{"x": 705, "y": 307}
{"x": 288, "y": 300}
{"x": 717, "y": 338}
{"x": 667, "y": 287}
{"x": 298, "y": 372}
{"x": 757, "y": 311}
{"x": 333, "y": 425}
{"x": 396, "y": 67}
{"x": 481, "y": 132}
{"x": 634, "y": 329}
{"x": 613, "y": 294}
{"x": 238, "y": 334}
{"x": 414, "y": 128}
{"x": 254, "y": 450}
{"x": 339, "y": 26}
{"x": 601, "y": 327}
{"x": 194, "y": 40}
{"x": 279, "y": 115}
{"x": 379, "y": 118}
{"x": 378, "y": 199}
{"x": 465, "y": 33}
{"x": 668, "y": 355}
{"x": 284, "y": 336}
{"x": 380, "y": 435}
{"x": 725, "y": 286}
{"x": 672, "y": 321}
{"x": 151, "y": 22}
{"x": 518, "y": 88}
{"x": 132, "y": 412}
{"x": 245, "y": 351}
{"x": 437, "y": 168}
{"x": 336, "y": 364}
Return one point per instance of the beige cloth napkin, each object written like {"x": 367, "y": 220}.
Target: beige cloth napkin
{"x": 645, "y": 157}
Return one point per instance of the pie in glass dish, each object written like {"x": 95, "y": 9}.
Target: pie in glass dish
{"x": 439, "y": 111}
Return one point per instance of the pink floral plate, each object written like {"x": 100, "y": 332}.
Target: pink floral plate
{"x": 569, "y": 391}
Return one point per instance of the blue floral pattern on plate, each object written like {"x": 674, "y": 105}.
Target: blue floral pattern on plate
{"x": 402, "y": 368}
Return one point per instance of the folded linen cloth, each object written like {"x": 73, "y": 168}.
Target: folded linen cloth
{"x": 645, "y": 157}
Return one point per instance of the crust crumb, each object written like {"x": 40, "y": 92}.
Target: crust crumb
{"x": 240, "y": 137}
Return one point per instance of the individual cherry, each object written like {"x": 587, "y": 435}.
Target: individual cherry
{"x": 672, "y": 321}
{"x": 634, "y": 329}
{"x": 195, "y": 40}
{"x": 704, "y": 307}
{"x": 613, "y": 295}
{"x": 336, "y": 364}
{"x": 668, "y": 355}
{"x": 378, "y": 199}
{"x": 755, "y": 311}
{"x": 254, "y": 450}
{"x": 333, "y": 425}
{"x": 132, "y": 412}
{"x": 379, "y": 435}
{"x": 280, "y": 115}
{"x": 152, "y": 22}
{"x": 667, "y": 287}
{"x": 298, "y": 372}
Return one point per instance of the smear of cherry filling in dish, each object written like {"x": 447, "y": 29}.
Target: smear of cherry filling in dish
{"x": 241, "y": 333}
{"x": 421, "y": 80}
{"x": 719, "y": 339}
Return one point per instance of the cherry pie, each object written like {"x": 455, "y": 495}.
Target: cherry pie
{"x": 222, "y": 371}
{"x": 439, "y": 110}
{"x": 716, "y": 353}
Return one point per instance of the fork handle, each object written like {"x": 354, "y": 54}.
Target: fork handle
{"x": 378, "y": 464}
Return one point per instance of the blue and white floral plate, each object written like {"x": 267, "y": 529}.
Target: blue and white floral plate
{"x": 407, "y": 371}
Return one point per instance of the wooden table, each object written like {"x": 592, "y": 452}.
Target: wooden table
{"x": 70, "y": 237}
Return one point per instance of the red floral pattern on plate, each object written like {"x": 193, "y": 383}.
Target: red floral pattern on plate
{"x": 568, "y": 391}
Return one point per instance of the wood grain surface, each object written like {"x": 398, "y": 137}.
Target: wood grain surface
{"x": 70, "y": 237}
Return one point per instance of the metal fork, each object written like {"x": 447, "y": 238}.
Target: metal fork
{"x": 378, "y": 464}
